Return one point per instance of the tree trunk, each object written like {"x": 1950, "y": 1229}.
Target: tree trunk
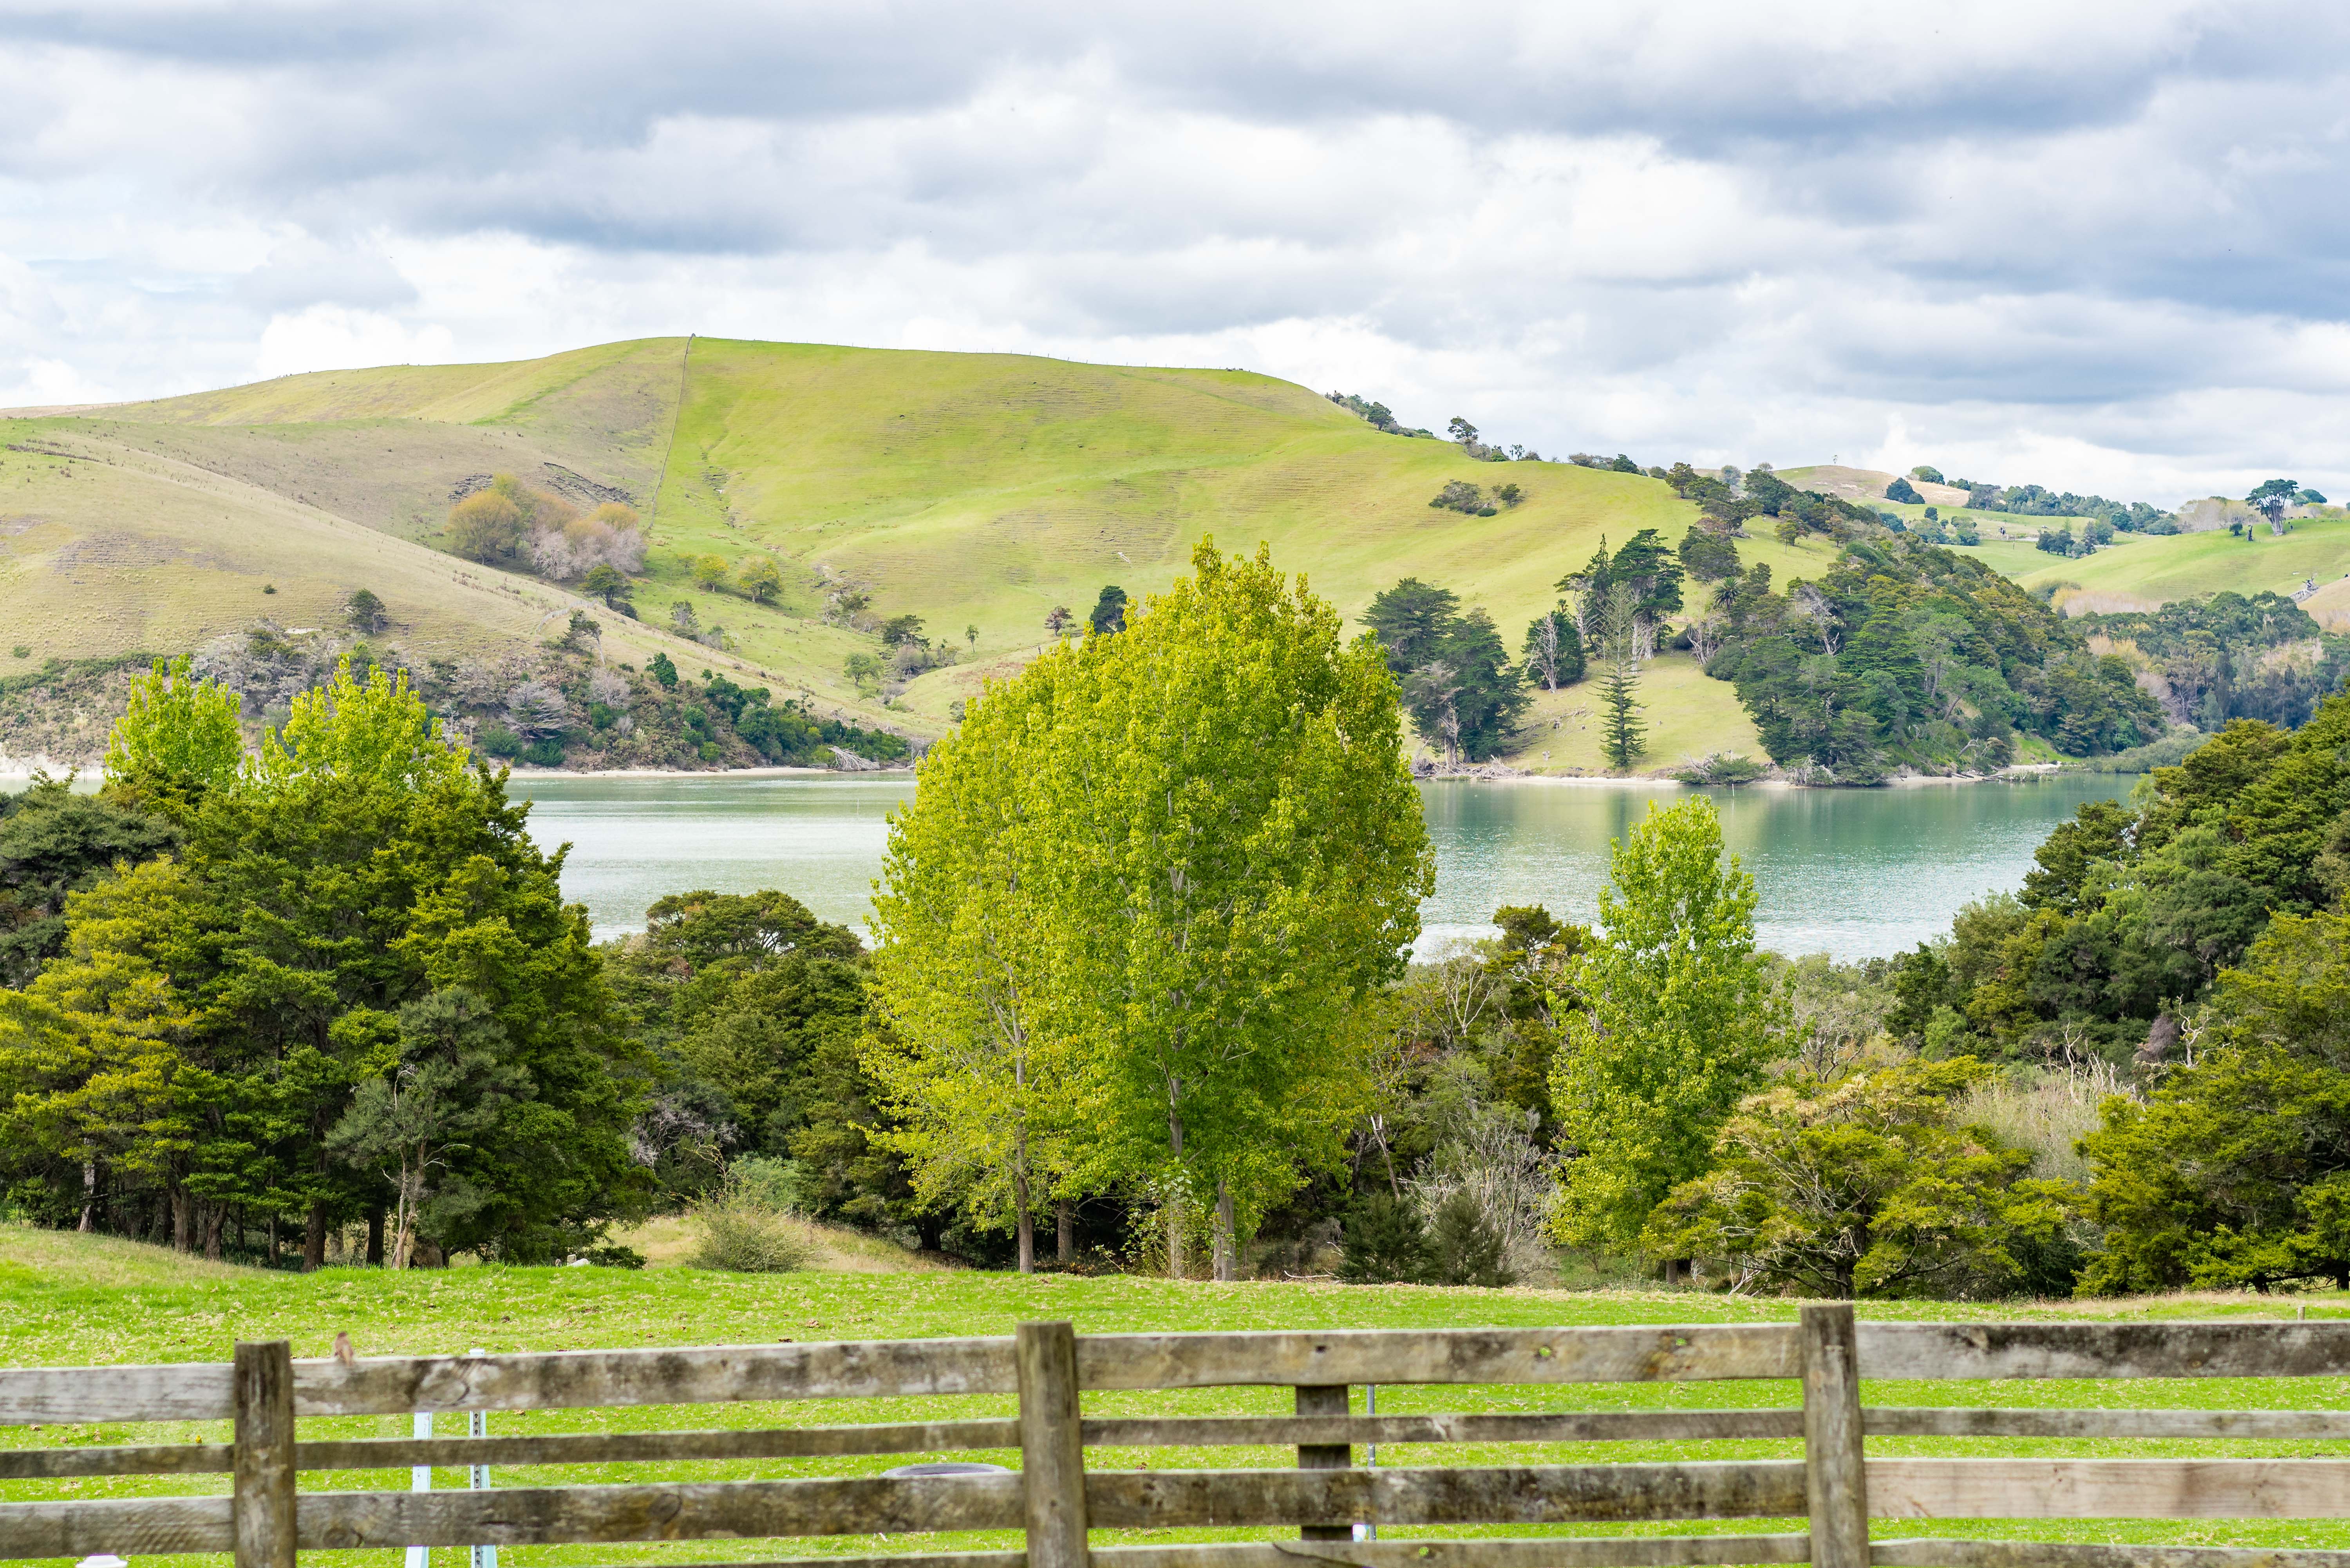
{"x": 214, "y": 1222}
{"x": 183, "y": 1221}
{"x": 1065, "y": 1223}
{"x": 1026, "y": 1221}
{"x": 1228, "y": 1262}
{"x": 314, "y": 1239}
{"x": 1175, "y": 1200}
{"x": 375, "y": 1237}
{"x": 89, "y": 1197}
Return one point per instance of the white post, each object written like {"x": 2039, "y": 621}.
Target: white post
{"x": 477, "y": 1477}
{"x": 419, "y": 1479}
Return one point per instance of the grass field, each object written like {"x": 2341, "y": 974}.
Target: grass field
{"x": 68, "y": 1299}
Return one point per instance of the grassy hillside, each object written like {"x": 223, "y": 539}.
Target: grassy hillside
{"x": 978, "y": 492}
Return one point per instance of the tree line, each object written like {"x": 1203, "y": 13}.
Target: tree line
{"x": 1145, "y": 976}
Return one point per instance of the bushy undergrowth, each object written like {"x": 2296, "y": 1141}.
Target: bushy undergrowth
{"x": 748, "y": 1227}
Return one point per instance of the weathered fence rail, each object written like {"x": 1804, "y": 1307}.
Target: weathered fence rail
{"x": 1054, "y": 1501}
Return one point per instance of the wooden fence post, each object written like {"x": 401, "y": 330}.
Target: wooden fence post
{"x": 1051, "y": 1446}
{"x": 1834, "y": 1474}
{"x": 263, "y": 1459}
{"x": 1324, "y": 1399}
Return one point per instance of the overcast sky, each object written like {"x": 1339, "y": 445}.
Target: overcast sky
{"x": 2095, "y": 247}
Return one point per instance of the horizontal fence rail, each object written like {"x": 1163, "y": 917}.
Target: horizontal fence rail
{"x": 1054, "y": 1501}
{"x": 912, "y": 1368}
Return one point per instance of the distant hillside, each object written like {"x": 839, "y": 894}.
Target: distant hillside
{"x": 976, "y": 492}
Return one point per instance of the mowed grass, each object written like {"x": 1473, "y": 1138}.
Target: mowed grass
{"x": 68, "y": 1300}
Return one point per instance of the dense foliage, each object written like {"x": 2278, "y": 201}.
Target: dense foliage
{"x": 756, "y": 1012}
{"x": 1675, "y": 1026}
{"x": 2129, "y": 916}
{"x": 353, "y": 988}
{"x": 1458, "y": 686}
{"x": 2226, "y": 656}
{"x": 1907, "y": 653}
{"x": 1136, "y": 916}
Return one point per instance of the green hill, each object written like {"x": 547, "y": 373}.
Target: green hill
{"x": 974, "y": 491}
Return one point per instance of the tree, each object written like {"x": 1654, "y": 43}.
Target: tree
{"x": 449, "y": 1083}
{"x": 1411, "y": 620}
{"x": 1458, "y": 681}
{"x": 1707, "y": 556}
{"x": 244, "y": 994}
{"x": 605, "y": 583}
{"x": 901, "y": 629}
{"x": 365, "y": 612}
{"x": 976, "y": 1061}
{"x": 710, "y": 573}
{"x": 486, "y": 526}
{"x": 1675, "y": 1026}
{"x": 1227, "y": 856}
{"x": 1623, "y": 732}
{"x": 755, "y": 1011}
{"x": 1554, "y": 651}
{"x": 1650, "y": 570}
{"x": 1902, "y": 491}
{"x": 971, "y": 634}
{"x": 2237, "y": 1171}
{"x": 2271, "y": 496}
{"x": 1865, "y": 1186}
{"x": 1109, "y": 611}
{"x": 1461, "y": 430}
{"x": 1058, "y": 619}
{"x": 177, "y": 740}
{"x": 661, "y": 668}
{"x": 54, "y": 843}
{"x": 761, "y": 580}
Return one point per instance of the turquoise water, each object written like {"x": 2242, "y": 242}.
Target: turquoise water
{"x": 1854, "y": 873}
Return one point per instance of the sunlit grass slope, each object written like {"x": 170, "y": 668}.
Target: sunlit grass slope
{"x": 978, "y": 492}
{"x": 68, "y": 1300}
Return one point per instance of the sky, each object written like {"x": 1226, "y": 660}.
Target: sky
{"x": 2099, "y": 248}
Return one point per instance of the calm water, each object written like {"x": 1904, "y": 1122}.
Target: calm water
{"x": 1854, "y": 873}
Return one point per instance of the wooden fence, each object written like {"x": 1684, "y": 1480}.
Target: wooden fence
{"x": 1056, "y": 1500}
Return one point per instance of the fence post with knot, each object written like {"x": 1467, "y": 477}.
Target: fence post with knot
{"x": 1834, "y": 1469}
{"x": 1051, "y": 1446}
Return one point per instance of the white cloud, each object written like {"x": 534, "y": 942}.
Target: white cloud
{"x": 2091, "y": 246}
{"x": 328, "y": 336}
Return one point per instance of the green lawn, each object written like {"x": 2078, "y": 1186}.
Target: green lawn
{"x": 67, "y": 1300}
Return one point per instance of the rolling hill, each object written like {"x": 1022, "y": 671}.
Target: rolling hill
{"x": 977, "y": 492}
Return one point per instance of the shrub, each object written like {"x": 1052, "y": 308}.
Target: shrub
{"x": 1386, "y": 1243}
{"x": 1459, "y": 495}
{"x": 486, "y": 526}
{"x": 500, "y": 742}
{"x": 1465, "y": 1247}
{"x": 744, "y": 1232}
{"x": 1901, "y": 490}
{"x": 545, "y": 754}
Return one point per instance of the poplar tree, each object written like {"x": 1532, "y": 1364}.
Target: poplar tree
{"x": 969, "y": 1048}
{"x": 1676, "y": 1022}
{"x": 1141, "y": 900}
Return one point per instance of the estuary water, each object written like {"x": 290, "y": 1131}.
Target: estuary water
{"x": 1853, "y": 873}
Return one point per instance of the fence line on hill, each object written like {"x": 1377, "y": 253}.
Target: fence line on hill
{"x": 1055, "y": 1502}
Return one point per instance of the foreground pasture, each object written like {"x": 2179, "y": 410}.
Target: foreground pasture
{"x": 67, "y": 1300}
